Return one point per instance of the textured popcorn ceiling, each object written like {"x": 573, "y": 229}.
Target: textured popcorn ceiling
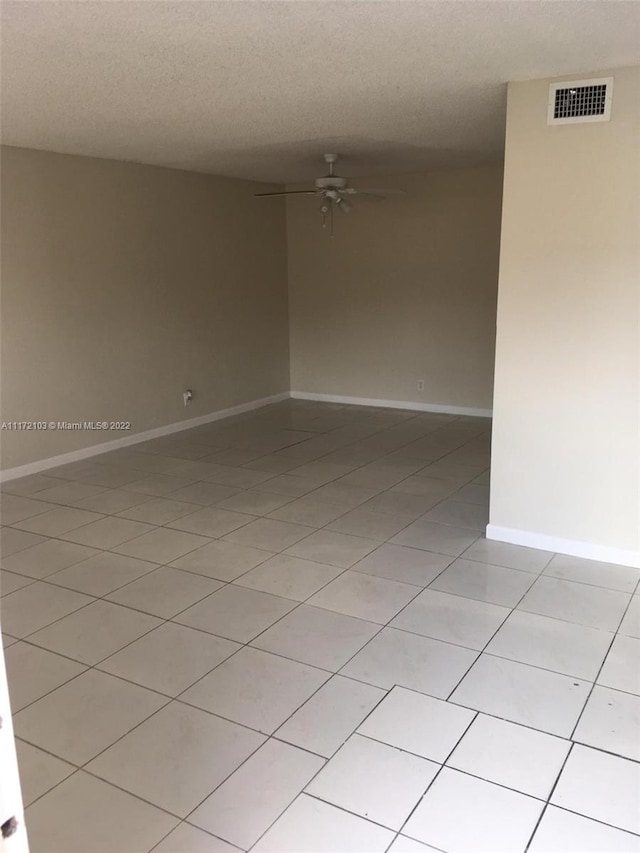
{"x": 258, "y": 89}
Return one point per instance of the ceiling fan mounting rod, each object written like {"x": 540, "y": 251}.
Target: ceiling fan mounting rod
{"x": 330, "y": 159}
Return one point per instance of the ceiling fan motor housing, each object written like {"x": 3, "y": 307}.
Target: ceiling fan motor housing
{"x": 331, "y": 182}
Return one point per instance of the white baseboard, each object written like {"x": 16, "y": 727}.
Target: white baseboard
{"x": 393, "y": 404}
{"x": 136, "y": 438}
{"x": 572, "y": 547}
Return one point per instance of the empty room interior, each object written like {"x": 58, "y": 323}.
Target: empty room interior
{"x": 320, "y": 426}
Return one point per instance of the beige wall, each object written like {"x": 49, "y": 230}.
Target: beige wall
{"x": 566, "y": 449}
{"x": 122, "y": 285}
{"x": 406, "y": 290}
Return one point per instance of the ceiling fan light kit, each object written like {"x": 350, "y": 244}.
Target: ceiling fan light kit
{"x": 333, "y": 191}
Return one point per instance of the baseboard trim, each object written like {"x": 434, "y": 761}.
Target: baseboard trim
{"x": 572, "y": 547}
{"x": 393, "y": 404}
{"x": 136, "y": 438}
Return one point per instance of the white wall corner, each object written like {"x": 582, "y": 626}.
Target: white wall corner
{"x": 136, "y": 438}
{"x": 393, "y": 404}
{"x": 571, "y": 547}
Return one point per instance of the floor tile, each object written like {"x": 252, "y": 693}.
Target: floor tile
{"x": 461, "y": 514}
{"x": 523, "y": 694}
{"x": 621, "y": 669}
{"x": 402, "y": 844}
{"x": 374, "y": 780}
{"x": 95, "y": 632}
{"x": 463, "y": 814}
{"x": 611, "y": 721}
{"x": 211, "y": 521}
{"x": 86, "y": 715}
{"x": 374, "y": 475}
{"x": 330, "y": 716}
{"x": 289, "y": 577}
{"x": 158, "y": 511}
{"x": 246, "y": 805}
{"x": 517, "y": 757}
{"x": 285, "y": 484}
{"x": 337, "y": 549}
{"x": 188, "y": 839}
{"x": 441, "y": 538}
{"x": 427, "y": 487}
{"x": 162, "y": 545}
{"x": 205, "y": 494}
{"x": 57, "y": 521}
{"x": 221, "y": 560}
{"x": 256, "y": 689}
{"x": 183, "y": 739}
{"x": 37, "y": 605}
{"x": 269, "y": 534}
{"x": 75, "y": 470}
{"x": 417, "y": 723}
{"x": 484, "y": 582}
{"x": 254, "y": 503}
{"x": 323, "y": 472}
{"x": 370, "y": 525}
{"x": 78, "y": 816}
{"x": 170, "y": 658}
{"x": 317, "y": 637}
{"x": 452, "y": 618}
{"x": 158, "y": 484}
{"x": 12, "y": 541}
{"x": 236, "y": 613}
{"x": 406, "y": 565}
{"x": 630, "y": 625}
{"x": 600, "y": 786}
{"x": 34, "y": 672}
{"x": 510, "y": 556}
{"x": 69, "y": 493}
{"x": 9, "y": 582}
{"x": 344, "y": 495}
{"x": 48, "y": 557}
{"x": 419, "y": 663}
{"x": 102, "y": 573}
{"x": 309, "y": 511}
{"x": 576, "y": 602}
{"x": 474, "y": 494}
{"x": 242, "y": 478}
{"x": 608, "y": 575}
{"x": 400, "y": 504}
{"x": 165, "y": 592}
{"x": 111, "y": 476}
{"x": 30, "y": 485}
{"x": 316, "y": 827}
{"x": 552, "y": 644}
{"x": 364, "y": 597}
{"x": 39, "y": 771}
{"x": 109, "y": 532}
{"x": 564, "y": 832}
{"x": 110, "y": 501}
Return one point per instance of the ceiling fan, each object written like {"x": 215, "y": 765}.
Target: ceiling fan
{"x": 334, "y": 192}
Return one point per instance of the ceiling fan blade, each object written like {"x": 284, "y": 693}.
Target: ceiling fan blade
{"x": 287, "y": 192}
{"x": 375, "y": 192}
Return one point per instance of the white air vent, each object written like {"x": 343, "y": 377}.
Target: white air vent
{"x": 577, "y": 101}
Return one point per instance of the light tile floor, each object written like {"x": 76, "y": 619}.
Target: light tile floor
{"x": 285, "y": 633}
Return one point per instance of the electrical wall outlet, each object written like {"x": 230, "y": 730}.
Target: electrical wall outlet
{"x": 187, "y": 396}
{"x": 420, "y": 384}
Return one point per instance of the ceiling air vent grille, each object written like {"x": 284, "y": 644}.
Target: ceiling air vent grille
{"x": 578, "y": 101}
